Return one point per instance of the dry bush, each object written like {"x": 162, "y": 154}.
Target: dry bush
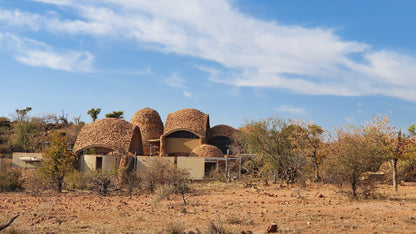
{"x": 215, "y": 175}
{"x": 102, "y": 182}
{"x": 13, "y": 231}
{"x": 234, "y": 220}
{"x": 176, "y": 227}
{"x": 75, "y": 180}
{"x": 34, "y": 182}
{"x": 217, "y": 226}
{"x": 160, "y": 171}
{"x": 11, "y": 181}
{"x": 132, "y": 183}
{"x": 161, "y": 193}
{"x": 176, "y": 182}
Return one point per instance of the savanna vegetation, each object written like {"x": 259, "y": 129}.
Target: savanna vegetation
{"x": 369, "y": 161}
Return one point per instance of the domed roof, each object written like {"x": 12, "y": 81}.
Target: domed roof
{"x": 115, "y": 134}
{"x": 221, "y": 131}
{"x": 206, "y": 151}
{"x": 189, "y": 119}
{"x": 149, "y": 122}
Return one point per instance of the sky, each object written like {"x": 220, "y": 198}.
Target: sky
{"x": 327, "y": 62}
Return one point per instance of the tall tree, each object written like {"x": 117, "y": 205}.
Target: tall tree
{"x": 57, "y": 161}
{"x": 353, "y": 153}
{"x": 314, "y": 136}
{"x": 94, "y": 113}
{"x": 397, "y": 146}
{"x": 272, "y": 140}
{"x": 22, "y": 114}
{"x": 115, "y": 114}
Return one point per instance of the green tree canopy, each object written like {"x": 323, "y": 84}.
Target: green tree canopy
{"x": 273, "y": 141}
{"x": 94, "y": 113}
{"x": 22, "y": 114}
{"x": 115, "y": 114}
{"x": 57, "y": 161}
{"x": 23, "y": 137}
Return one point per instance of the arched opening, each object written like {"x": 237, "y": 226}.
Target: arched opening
{"x": 181, "y": 143}
{"x": 222, "y": 142}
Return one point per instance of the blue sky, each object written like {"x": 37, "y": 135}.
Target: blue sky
{"x": 330, "y": 62}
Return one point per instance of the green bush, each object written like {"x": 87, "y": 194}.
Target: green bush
{"x": 75, "y": 180}
{"x": 10, "y": 181}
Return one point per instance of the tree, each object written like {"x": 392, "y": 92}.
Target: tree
{"x": 315, "y": 145}
{"x": 57, "y": 161}
{"x": 273, "y": 142}
{"x": 63, "y": 118}
{"x": 94, "y": 113}
{"x": 397, "y": 146}
{"x": 115, "y": 114}
{"x": 353, "y": 154}
{"x": 22, "y": 114}
{"x": 23, "y": 138}
{"x": 412, "y": 130}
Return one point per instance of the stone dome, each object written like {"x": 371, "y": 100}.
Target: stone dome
{"x": 206, "y": 151}
{"x": 149, "y": 122}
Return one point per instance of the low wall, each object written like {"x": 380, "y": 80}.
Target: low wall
{"x": 17, "y": 162}
{"x": 143, "y": 161}
{"x": 194, "y": 165}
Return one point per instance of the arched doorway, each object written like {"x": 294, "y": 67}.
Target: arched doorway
{"x": 222, "y": 142}
{"x": 181, "y": 143}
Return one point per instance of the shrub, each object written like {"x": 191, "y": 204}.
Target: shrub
{"x": 217, "y": 226}
{"x": 58, "y": 161}
{"x": 353, "y": 155}
{"x": 75, "y": 180}
{"x": 101, "y": 181}
{"x": 175, "y": 228}
{"x": 132, "y": 182}
{"x": 162, "y": 192}
{"x": 215, "y": 175}
{"x": 34, "y": 182}
{"x": 10, "y": 181}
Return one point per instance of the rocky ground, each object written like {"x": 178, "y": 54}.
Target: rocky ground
{"x": 316, "y": 208}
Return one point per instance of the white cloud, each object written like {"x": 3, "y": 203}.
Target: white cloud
{"x": 175, "y": 81}
{"x": 187, "y": 94}
{"x": 250, "y": 52}
{"x": 292, "y": 110}
{"x": 38, "y": 54}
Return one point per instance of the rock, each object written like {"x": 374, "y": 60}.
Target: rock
{"x": 246, "y": 232}
{"x": 272, "y": 228}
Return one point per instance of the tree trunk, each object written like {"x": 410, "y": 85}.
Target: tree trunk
{"x": 354, "y": 190}
{"x": 317, "y": 176}
{"x": 183, "y": 198}
{"x": 394, "y": 167}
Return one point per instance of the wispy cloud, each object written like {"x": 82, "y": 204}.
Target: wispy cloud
{"x": 249, "y": 51}
{"x": 292, "y": 110}
{"x": 39, "y": 54}
{"x": 187, "y": 94}
{"x": 175, "y": 81}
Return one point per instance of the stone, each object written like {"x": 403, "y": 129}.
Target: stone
{"x": 272, "y": 228}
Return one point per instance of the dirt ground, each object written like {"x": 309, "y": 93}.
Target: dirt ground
{"x": 314, "y": 209}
